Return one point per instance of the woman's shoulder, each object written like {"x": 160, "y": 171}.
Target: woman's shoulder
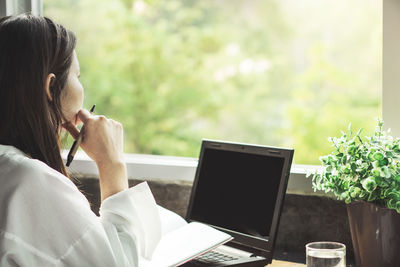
{"x": 40, "y": 203}
{"x": 29, "y": 183}
{"x": 20, "y": 167}
{"x": 18, "y": 171}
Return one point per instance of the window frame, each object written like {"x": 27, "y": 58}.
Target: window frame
{"x": 182, "y": 169}
{"x": 173, "y": 169}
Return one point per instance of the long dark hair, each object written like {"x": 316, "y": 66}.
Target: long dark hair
{"x": 32, "y": 47}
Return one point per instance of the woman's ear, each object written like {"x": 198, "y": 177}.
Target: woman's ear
{"x": 49, "y": 81}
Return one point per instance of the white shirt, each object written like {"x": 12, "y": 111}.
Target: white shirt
{"x": 46, "y": 221}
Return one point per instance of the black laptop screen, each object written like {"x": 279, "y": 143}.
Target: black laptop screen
{"x": 237, "y": 191}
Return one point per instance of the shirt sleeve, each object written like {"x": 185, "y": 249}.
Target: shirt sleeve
{"x": 135, "y": 211}
{"x": 129, "y": 228}
{"x": 50, "y": 223}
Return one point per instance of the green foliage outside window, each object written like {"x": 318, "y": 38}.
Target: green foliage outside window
{"x": 174, "y": 72}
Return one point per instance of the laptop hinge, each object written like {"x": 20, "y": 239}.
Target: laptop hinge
{"x": 252, "y": 250}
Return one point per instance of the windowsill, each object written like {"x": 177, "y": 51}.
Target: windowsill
{"x": 181, "y": 169}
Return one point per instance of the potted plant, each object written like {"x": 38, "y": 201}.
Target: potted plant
{"x": 365, "y": 173}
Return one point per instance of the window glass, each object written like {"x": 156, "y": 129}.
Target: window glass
{"x": 272, "y": 72}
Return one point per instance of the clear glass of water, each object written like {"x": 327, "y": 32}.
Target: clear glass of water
{"x": 326, "y": 254}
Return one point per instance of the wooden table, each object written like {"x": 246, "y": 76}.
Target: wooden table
{"x": 276, "y": 263}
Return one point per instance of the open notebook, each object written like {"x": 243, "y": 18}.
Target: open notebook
{"x": 182, "y": 241}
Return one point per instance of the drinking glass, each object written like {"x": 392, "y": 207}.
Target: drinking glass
{"x": 326, "y": 254}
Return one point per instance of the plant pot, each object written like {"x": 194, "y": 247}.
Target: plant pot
{"x": 375, "y": 232}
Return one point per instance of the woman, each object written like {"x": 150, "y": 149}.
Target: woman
{"x": 44, "y": 219}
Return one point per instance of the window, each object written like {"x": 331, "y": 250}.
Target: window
{"x": 273, "y": 72}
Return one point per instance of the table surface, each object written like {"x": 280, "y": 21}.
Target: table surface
{"x": 276, "y": 263}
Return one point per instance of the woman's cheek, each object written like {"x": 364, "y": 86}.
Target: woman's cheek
{"x": 72, "y": 100}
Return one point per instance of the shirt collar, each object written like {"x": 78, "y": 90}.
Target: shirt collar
{"x": 7, "y": 149}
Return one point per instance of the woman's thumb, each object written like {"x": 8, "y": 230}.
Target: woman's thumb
{"x": 84, "y": 115}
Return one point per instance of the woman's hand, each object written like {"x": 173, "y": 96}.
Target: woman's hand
{"x": 102, "y": 141}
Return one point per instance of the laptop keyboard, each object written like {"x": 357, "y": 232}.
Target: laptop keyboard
{"x": 214, "y": 257}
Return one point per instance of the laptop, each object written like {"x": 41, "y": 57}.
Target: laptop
{"x": 239, "y": 189}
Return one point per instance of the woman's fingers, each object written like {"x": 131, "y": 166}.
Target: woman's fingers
{"x": 71, "y": 129}
{"x": 103, "y": 138}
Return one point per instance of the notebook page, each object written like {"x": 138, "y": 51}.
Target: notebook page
{"x": 170, "y": 221}
{"x": 187, "y": 242}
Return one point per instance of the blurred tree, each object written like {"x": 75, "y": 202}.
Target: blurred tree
{"x": 339, "y": 76}
{"x": 174, "y": 72}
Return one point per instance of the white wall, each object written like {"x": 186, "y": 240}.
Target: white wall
{"x": 391, "y": 66}
{"x": 15, "y": 7}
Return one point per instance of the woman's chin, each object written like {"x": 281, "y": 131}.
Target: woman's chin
{"x": 73, "y": 119}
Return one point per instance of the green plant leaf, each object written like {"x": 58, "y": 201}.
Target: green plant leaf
{"x": 362, "y": 170}
{"x": 378, "y": 156}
